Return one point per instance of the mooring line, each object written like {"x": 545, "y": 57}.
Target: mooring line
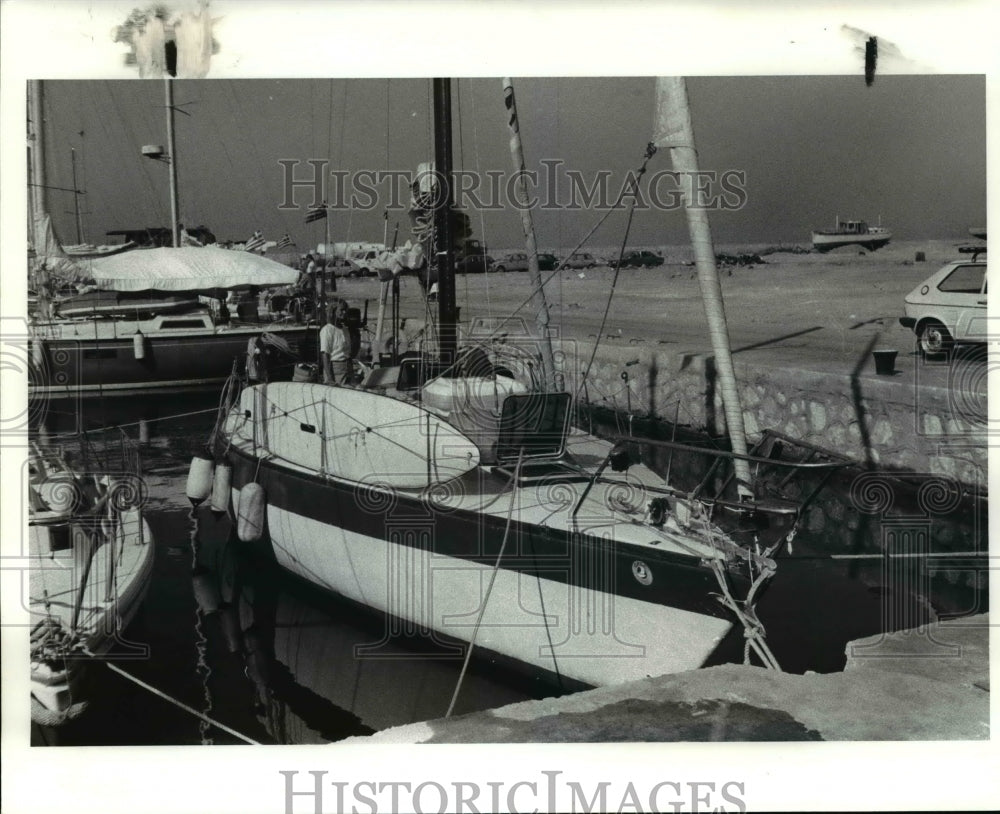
{"x": 489, "y": 588}
{"x": 180, "y": 704}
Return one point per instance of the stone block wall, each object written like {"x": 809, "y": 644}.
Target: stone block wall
{"x": 884, "y": 422}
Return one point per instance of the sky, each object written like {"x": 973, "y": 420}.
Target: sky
{"x": 909, "y": 150}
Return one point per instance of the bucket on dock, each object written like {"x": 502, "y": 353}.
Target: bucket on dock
{"x": 885, "y": 362}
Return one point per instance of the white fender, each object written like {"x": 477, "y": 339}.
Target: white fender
{"x": 139, "y": 345}
{"x": 250, "y": 513}
{"x": 199, "y": 481}
{"x": 221, "y": 488}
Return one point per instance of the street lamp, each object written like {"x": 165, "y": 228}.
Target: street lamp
{"x": 157, "y": 153}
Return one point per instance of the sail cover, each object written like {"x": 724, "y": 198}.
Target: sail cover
{"x": 186, "y": 269}
{"x": 47, "y": 260}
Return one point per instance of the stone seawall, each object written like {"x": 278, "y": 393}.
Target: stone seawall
{"x": 879, "y": 421}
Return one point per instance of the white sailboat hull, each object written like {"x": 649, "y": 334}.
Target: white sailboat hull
{"x": 593, "y": 637}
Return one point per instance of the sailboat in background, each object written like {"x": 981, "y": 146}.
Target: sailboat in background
{"x": 451, "y": 494}
{"x": 139, "y": 326}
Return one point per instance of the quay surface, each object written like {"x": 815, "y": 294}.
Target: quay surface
{"x": 930, "y": 683}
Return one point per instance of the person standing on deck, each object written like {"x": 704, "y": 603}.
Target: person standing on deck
{"x": 307, "y": 268}
{"x": 334, "y": 345}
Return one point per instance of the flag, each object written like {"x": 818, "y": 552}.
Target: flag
{"x": 285, "y": 241}
{"x": 254, "y": 243}
{"x": 316, "y": 213}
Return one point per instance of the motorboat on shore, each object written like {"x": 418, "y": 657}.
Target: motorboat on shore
{"x": 850, "y": 233}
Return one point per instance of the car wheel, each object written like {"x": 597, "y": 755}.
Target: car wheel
{"x": 934, "y": 338}
{"x": 590, "y": 266}
{"x": 353, "y": 273}
{"x": 500, "y": 269}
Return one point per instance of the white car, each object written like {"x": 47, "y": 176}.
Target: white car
{"x": 948, "y": 307}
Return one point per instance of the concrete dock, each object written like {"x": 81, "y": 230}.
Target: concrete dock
{"x": 932, "y": 683}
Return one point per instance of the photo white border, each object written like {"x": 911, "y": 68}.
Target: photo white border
{"x": 537, "y": 38}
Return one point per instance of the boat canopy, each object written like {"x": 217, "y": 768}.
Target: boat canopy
{"x": 186, "y": 269}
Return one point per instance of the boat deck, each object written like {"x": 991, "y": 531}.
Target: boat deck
{"x": 560, "y": 494}
{"x": 108, "y": 590}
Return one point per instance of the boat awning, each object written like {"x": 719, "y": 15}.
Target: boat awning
{"x": 186, "y": 269}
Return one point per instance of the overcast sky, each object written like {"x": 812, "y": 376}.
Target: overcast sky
{"x": 909, "y": 149}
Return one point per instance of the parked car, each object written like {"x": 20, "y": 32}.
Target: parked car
{"x": 512, "y": 261}
{"x": 359, "y": 264}
{"x": 948, "y": 307}
{"x": 639, "y": 259}
{"x": 547, "y": 262}
{"x": 580, "y": 260}
{"x": 474, "y": 264}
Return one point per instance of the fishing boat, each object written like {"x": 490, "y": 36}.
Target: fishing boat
{"x": 135, "y": 322}
{"x": 91, "y": 559}
{"x": 452, "y": 494}
{"x": 851, "y": 233}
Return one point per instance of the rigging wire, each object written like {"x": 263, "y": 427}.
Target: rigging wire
{"x": 145, "y": 171}
{"x": 340, "y": 165}
{"x": 633, "y": 186}
{"x": 255, "y": 155}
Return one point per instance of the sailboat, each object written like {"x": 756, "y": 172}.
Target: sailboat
{"x": 91, "y": 554}
{"x": 453, "y": 496}
{"x": 140, "y": 325}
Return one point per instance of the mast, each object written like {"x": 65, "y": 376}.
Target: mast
{"x": 76, "y": 197}
{"x": 527, "y": 225}
{"x": 172, "y": 163}
{"x": 448, "y": 337}
{"x": 674, "y": 130}
{"x": 36, "y": 150}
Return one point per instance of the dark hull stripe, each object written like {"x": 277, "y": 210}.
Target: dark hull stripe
{"x": 577, "y": 559}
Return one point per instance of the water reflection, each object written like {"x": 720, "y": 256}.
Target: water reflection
{"x": 303, "y": 655}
